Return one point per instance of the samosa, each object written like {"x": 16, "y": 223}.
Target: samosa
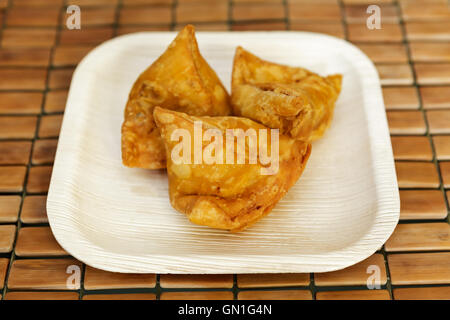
{"x": 225, "y": 183}
{"x": 295, "y": 100}
{"x": 180, "y": 79}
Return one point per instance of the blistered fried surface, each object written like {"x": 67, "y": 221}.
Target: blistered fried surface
{"x": 298, "y": 102}
{"x": 227, "y": 196}
{"x": 180, "y": 79}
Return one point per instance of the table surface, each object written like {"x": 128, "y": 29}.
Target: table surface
{"x": 38, "y": 55}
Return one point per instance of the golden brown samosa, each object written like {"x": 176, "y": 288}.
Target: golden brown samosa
{"x": 227, "y": 195}
{"x": 180, "y": 79}
{"x": 298, "y": 102}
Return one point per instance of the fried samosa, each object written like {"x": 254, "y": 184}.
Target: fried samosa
{"x": 180, "y": 79}
{"x": 298, "y": 102}
{"x": 225, "y": 193}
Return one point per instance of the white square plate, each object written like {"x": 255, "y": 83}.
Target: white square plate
{"x": 343, "y": 208}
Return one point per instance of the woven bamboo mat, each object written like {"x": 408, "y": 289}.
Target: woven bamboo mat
{"x": 38, "y": 55}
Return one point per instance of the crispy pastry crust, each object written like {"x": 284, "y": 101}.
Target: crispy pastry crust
{"x": 227, "y": 196}
{"x": 298, "y": 102}
{"x": 180, "y": 79}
